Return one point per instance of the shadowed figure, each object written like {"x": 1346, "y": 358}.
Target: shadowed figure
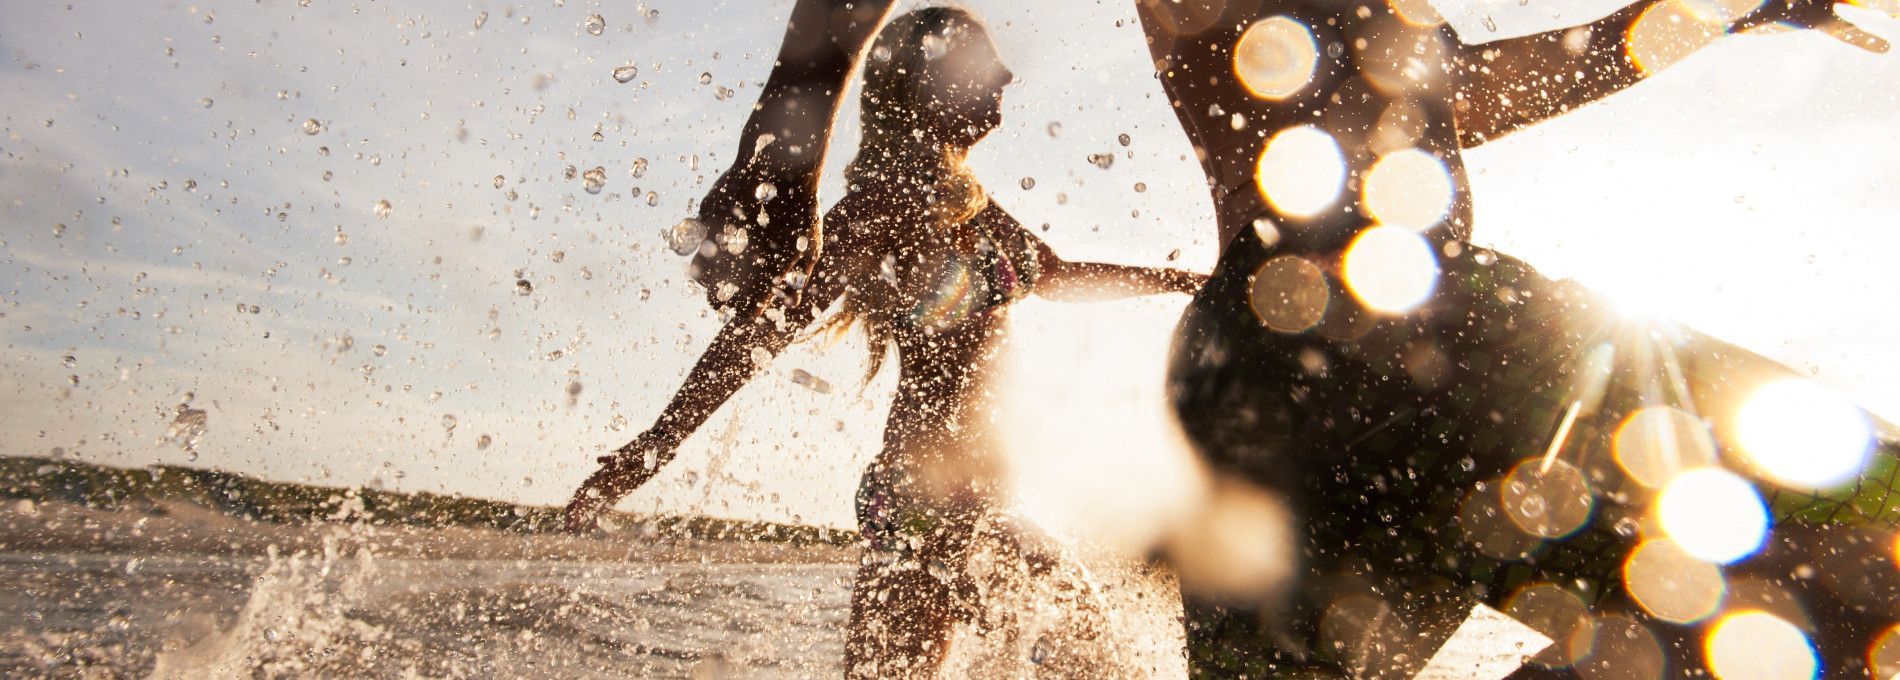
{"x": 927, "y": 264}
{"x": 1444, "y": 425}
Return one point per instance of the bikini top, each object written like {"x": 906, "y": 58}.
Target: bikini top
{"x": 1004, "y": 269}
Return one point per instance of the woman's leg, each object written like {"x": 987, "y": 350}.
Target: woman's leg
{"x": 901, "y": 617}
{"x": 907, "y": 595}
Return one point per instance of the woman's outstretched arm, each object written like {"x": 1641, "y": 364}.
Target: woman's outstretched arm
{"x": 1068, "y": 281}
{"x": 725, "y": 367}
{"x": 736, "y": 355}
{"x": 1510, "y": 84}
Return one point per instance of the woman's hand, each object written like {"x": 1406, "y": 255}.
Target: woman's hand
{"x": 620, "y": 473}
{"x": 1811, "y": 14}
{"x": 776, "y": 210}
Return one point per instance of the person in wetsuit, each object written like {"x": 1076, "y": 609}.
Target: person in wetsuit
{"x": 921, "y": 257}
{"x": 1397, "y": 428}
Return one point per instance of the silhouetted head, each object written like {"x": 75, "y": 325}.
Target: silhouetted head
{"x": 934, "y": 72}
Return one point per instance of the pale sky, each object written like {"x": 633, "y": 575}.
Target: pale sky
{"x": 1749, "y": 191}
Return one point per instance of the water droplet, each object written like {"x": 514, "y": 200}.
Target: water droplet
{"x": 625, "y": 74}
{"x": 1028, "y": 183}
{"x": 271, "y": 634}
{"x": 684, "y": 238}
{"x": 594, "y": 180}
{"x": 499, "y": 180}
{"x": 1490, "y": 24}
{"x": 383, "y": 208}
{"x": 653, "y": 199}
{"x": 595, "y": 24}
{"x": 1174, "y": 254}
{"x": 378, "y": 350}
{"x": 1141, "y": 187}
{"x": 523, "y": 287}
{"x": 449, "y": 422}
{"x": 705, "y": 78}
{"x": 881, "y": 54}
{"x": 639, "y": 168}
{"x": 480, "y": 20}
{"x": 312, "y": 126}
{"x": 68, "y": 361}
{"x": 935, "y": 46}
{"x": 735, "y": 240}
{"x": 766, "y": 191}
{"x": 1055, "y": 128}
{"x": 206, "y": 102}
{"x": 1040, "y": 652}
{"x": 1102, "y": 160}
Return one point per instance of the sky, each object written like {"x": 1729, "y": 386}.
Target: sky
{"x": 192, "y": 199}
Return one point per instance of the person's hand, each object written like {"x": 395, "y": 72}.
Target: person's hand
{"x": 620, "y": 473}
{"x": 1810, "y": 14}
{"x": 761, "y": 234}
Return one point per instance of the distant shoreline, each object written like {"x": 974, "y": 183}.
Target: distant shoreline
{"x": 69, "y": 506}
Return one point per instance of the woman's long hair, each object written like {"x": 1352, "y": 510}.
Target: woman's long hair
{"x": 904, "y": 164}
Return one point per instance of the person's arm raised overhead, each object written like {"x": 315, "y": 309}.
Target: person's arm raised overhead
{"x": 771, "y": 189}
{"x": 1510, "y": 84}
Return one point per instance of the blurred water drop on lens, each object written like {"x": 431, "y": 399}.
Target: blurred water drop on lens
{"x": 1027, "y": 183}
{"x": 383, "y": 208}
{"x": 935, "y": 46}
{"x": 1390, "y": 269}
{"x": 312, "y": 126}
{"x": 1756, "y": 645}
{"x": 625, "y": 74}
{"x": 594, "y": 180}
{"x": 765, "y": 191}
{"x": 1275, "y": 57}
{"x": 1713, "y": 514}
{"x": 595, "y": 24}
{"x": 1803, "y": 435}
{"x": 1301, "y": 171}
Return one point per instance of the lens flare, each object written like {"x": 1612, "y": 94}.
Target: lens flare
{"x": 1756, "y": 645}
{"x": 1616, "y": 647}
{"x": 1546, "y": 503}
{"x": 1655, "y": 443}
{"x": 1553, "y": 611}
{"x": 1670, "y": 30}
{"x": 1301, "y": 171}
{"x": 1274, "y": 58}
{"x": 1408, "y": 188}
{"x": 1418, "y": 13}
{"x": 1883, "y": 657}
{"x": 1390, "y": 269}
{"x": 1670, "y": 584}
{"x": 1713, "y": 515}
{"x": 1803, "y": 435}
{"x": 1289, "y": 294}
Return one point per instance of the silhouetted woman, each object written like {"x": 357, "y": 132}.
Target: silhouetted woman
{"x": 919, "y": 256}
